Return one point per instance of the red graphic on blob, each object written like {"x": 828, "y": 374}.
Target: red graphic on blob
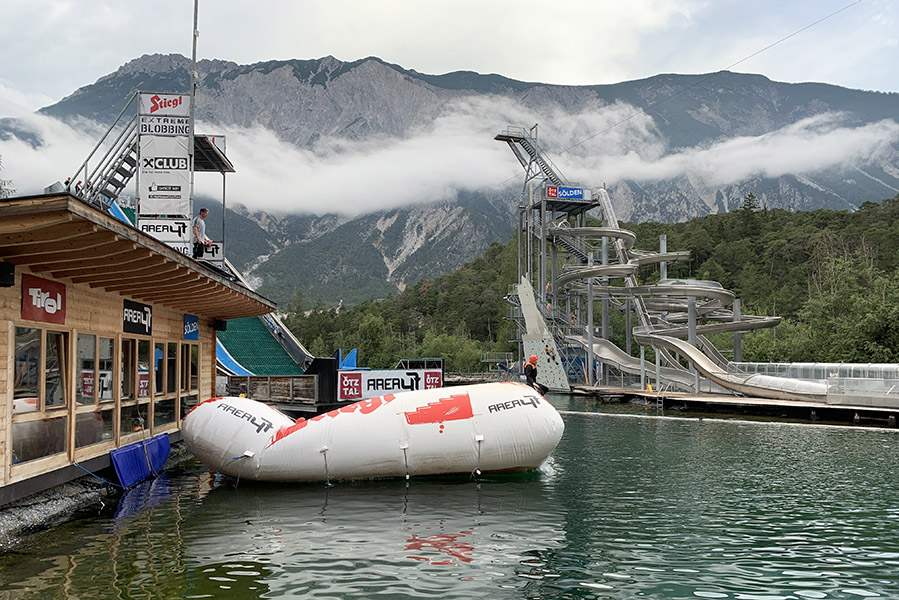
{"x": 454, "y": 408}
{"x": 442, "y": 542}
{"x": 364, "y": 407}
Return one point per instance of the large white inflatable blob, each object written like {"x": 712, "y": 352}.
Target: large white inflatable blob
{"x": 486, "y": 428}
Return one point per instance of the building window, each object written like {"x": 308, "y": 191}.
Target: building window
{"x": 26, "y": 389}
{"x": 77, "y": 394}
{"x": 143, "y": 368}
{"x": 106, "y": 369}
{"x": 171, "y": 367}
{"x": 190, "y": 354}
{"x": 40, "y": 393}
{"x": 159, "y": 368}
{"x": 55, "y": 351}
{"x": 93, "y": 424}
{"x": 134, "y": 413}
{"x": 86, "y": 373}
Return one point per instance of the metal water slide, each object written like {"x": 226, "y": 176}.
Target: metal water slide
{"x": 666, "y": 312}
{"x": 764, "y": 386}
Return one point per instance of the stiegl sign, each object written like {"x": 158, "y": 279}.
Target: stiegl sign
{"x": 177, "y": 105}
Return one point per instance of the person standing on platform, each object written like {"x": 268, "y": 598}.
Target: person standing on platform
{"x": 530, "y": 375}
{"x": 198, "y": 234}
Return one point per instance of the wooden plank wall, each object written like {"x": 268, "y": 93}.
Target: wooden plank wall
{"x": 94, "y": 311}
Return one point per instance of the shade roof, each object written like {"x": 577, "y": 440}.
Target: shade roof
{"x": 60, "y": 236}
{"x": 208, "y": 157}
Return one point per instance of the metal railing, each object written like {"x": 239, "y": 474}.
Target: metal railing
{"x": 100, "y": 184}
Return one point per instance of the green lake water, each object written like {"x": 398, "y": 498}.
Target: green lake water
{"x": 632, "y": 504}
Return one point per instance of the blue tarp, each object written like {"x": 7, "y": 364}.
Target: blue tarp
{"x": 138, "y": 461}
{"x": 118, "y": 213}
{"x": 227, "y": 361}
{"x": 348, "y": 361}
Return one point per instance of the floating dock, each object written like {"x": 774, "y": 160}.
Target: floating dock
{"x": 794, "y": 410}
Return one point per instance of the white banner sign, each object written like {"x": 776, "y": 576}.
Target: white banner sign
{"x": 154, "y": 125}
{"x": 356, "y": 385}
{"x": 170, "y": 105}
{"x": 166, "y": 230}
{"x": 164, "y": 176}
{"x": 215, "y": 252}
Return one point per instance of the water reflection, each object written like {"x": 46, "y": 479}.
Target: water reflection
{"x": 436, "y": 539}
{"x": 629, "y": 507}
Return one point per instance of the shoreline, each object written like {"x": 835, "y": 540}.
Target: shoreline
{"x": 57, "y": 505}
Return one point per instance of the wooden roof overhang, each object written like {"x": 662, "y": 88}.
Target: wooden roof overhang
{"x": 59, "y": 236}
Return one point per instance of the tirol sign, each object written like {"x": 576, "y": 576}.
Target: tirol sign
{"x": 137, "y": 318}
{"x": 43, "y": 300}
{"x": 357, "y": 385}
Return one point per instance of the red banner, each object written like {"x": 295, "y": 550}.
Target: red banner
{"x": 43, "y": 300}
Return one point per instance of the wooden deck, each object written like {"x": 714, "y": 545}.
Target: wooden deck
{"x": 794, "y": 410}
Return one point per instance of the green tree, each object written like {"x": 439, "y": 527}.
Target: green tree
{"x": 750, "y": 203}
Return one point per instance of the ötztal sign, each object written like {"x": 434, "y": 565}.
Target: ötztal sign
{"x": 43, "y": 300}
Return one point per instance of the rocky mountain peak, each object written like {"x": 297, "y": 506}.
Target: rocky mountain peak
{"x": 320, "y": 103}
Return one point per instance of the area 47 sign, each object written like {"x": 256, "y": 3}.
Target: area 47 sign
{"x": 358, "y": 385}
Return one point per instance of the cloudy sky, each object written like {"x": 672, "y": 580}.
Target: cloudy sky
{"x": 50, "y": 48}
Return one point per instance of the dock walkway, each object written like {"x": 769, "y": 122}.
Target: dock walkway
{"x": 800, "y": 410}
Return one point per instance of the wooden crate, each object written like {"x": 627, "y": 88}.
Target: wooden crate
{"x": 274, "y": 389}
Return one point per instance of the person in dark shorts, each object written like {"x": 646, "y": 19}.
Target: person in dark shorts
{"x": 530, "y": 375}
{"x": 198, "y": 234}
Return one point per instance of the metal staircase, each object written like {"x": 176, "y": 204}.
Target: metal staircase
{"x": 524, "y": 146}
{"x": 112, "y": 163}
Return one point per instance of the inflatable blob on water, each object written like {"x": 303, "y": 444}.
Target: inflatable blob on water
{"x": 485, "y": 428}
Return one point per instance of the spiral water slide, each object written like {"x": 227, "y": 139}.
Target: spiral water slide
{"x": 662, "y": 312}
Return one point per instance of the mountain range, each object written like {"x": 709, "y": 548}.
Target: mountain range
{"x": 350, "y": 258}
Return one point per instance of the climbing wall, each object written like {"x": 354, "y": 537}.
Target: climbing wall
{"x": 539, "y": 340}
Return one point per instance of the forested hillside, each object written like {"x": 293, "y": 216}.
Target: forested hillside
{"x": 457, "y": 317}
{"x": 832, "y": 275}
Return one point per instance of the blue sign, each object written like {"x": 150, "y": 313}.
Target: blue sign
{"x": 567, "y": 193}
{"x": 191, "y": 327}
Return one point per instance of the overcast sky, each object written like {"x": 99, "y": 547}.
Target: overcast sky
{"x": 48, "y": 49}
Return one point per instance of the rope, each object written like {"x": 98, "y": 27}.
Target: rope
{"x": 92, "y": 474}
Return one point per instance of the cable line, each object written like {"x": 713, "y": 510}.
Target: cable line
{"x": 707, "y": 77}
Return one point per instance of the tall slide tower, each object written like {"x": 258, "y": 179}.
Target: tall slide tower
{"x": 566, "y": 267}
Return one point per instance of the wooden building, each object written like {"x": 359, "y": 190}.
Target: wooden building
{"x": 107, "y": 337}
